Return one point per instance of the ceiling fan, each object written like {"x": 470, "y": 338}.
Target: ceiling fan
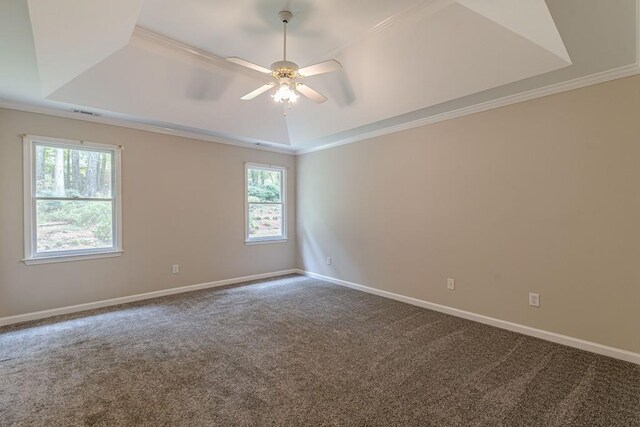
{"x": 287, "y": 74}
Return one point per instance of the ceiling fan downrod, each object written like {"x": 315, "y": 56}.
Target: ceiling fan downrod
{"x": 285, "y": 17}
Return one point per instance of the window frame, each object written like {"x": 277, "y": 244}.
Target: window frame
{"x": 283, "y": 201}
{"x": 31, "y": 256}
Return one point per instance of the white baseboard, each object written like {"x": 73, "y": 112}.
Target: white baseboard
{"x": 138, "y": 297}
{"x": 604, "y": 350}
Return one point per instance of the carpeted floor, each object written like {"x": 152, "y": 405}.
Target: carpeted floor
{"x": 298, "y": 351}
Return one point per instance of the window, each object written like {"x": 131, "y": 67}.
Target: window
{"x": 265, "y": 209}
{"x": 71, "y": 200}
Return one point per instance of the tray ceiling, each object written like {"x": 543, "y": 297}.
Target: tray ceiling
{"x": 160, "y": 62}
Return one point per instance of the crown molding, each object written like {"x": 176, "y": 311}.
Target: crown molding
{"x": 581, "y": 82}
{"x": 50, "y": 111}
{"x": 578, "y": 83}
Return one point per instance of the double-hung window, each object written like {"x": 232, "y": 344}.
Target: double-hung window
{"x": 71, "y": 200}
{"x": 265, "y": 203}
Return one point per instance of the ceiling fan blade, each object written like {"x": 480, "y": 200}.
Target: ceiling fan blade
{"x": 311, "y": 94}
{"x": 248, "y": 64}
{"x": 260, "y": 90}
{"x": 320, "y": 68}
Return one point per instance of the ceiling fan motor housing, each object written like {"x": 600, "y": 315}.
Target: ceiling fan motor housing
{"x": 284, "y": 69}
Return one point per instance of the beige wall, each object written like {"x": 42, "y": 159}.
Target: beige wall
{"x": 541, "y": 196}
{"x": 183, "y": 203}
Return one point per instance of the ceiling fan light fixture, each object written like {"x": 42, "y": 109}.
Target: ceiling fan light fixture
{"x": 285, "y": 93}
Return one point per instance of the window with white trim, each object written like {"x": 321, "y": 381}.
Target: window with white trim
{"x": 71, "y": 199}
{"x": 265, "y": 203}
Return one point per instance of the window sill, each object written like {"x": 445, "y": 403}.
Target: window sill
{"x": 67, "y": 258}
{"x": 263, "y": 242}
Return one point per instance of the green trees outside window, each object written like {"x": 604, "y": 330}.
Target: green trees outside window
{"x": 73, "y": 189}
{"x": 265, "y": 203}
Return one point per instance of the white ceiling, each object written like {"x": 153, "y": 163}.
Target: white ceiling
{"x": 252, "y": 30}
{"x": 70, "y": 36}
{"x": 401, "y": 59}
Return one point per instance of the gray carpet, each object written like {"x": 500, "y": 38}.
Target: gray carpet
{"x": 298, "y": 351}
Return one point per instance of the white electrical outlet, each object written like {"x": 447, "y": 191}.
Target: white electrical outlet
{"x": 534, "y": 299}
{"x": 451, "y": 284}
{"x": 175, "y": 269}
{"x": 328, "y": 260}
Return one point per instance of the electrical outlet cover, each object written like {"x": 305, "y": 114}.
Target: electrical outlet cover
{"x": 534, "y": 299}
